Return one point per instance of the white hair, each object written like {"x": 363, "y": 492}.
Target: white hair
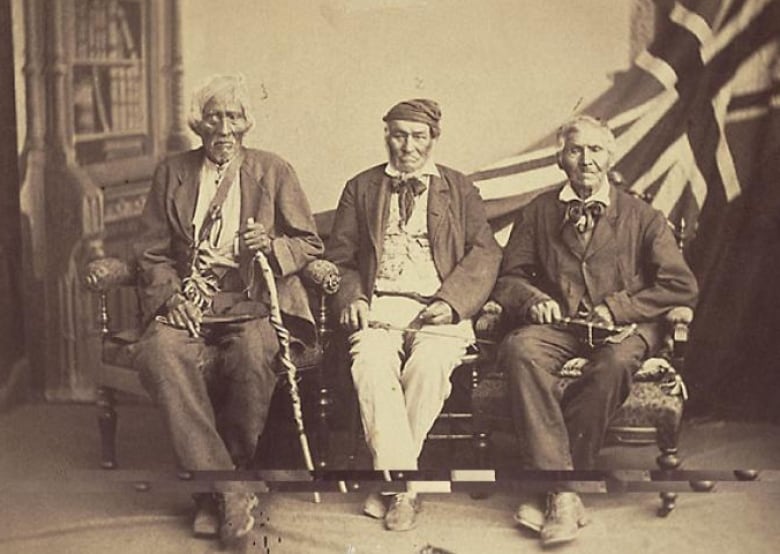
{"x": 234, "y": 85}
{"x": 575, "y": 124}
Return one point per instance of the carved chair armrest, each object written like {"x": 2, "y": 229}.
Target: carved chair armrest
{"x": 104, "y": 274}
{"x": 679, "y": 320}
{"x": 322, "y": 276}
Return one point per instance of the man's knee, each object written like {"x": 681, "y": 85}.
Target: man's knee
{"x": 251, "y": 355}
{"x": 522, "y": 351}
{"x": 161, "y": 352}
{"x": 620, "y": 359}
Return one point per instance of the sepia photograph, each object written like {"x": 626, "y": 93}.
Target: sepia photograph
{"x": 389, "y": 276}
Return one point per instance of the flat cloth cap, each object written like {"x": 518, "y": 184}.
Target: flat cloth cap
{"x": 417, "y": 109}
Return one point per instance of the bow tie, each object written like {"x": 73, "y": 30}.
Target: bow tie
{"x": 407, "y": 190}
{"x": 583, "y": 215}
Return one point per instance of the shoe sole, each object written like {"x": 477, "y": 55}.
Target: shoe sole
{"x": 417, "y": 507}
{"x": 206, "y": 532}
{"x": 205, "y": 524}
{"x": 398, "y": 530}
{"x": 244, "y": 531}
{"x": 531, "y": 525}
{"x": 582, "y": 522}
{"x": 375, "y": 508}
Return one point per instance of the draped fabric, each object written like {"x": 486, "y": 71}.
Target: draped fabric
{"x": 698, "y": 131}
{"x": 697, "y": 120}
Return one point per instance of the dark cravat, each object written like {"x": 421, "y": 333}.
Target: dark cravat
{"x": 407, "y": 190}
{"x": 583, "y": 215}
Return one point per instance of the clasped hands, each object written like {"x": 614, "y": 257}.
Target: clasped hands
{"x": 355, "y": 316}
{"x": 549, "y": 311}
{"x": 184, "y": 314}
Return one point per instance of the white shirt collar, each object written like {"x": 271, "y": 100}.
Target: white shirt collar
{"x": 428, "y": 169}
{"x": 567, "y": 194}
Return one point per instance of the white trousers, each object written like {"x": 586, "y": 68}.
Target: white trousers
{"x": 401, "y": 393}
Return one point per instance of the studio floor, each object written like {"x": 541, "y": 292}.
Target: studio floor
{"x": 55, "y": 499}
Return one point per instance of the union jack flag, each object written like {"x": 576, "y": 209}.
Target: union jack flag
{"x": 689, "y": 115}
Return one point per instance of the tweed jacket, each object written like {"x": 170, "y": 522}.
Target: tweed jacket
{"x": 632, "y": 263}
{"x": 270, "y": 193}
{"x": 465, "y": 253}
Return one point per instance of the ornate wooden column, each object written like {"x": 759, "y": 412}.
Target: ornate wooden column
{"x": 32, "y": 195}
{"x": 11, "y": 334}
{"x": 74, "y": 217}
{"x": 85, "y": 178}
{"x": 178, "y": 138}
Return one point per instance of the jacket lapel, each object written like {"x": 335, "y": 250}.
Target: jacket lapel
{"x": 186, "y": 193}
{"x": 569, "y": 235}
{"x": 376, "y": 196}
{"x": 604, "y": 231}
{"x": 438, "y": 204}
{"x": 251, "y": 200}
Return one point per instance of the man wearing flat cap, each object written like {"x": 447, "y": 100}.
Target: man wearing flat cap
{"x": 418, "y": 260}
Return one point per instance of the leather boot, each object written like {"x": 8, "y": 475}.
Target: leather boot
{"x": 565, "y": 515}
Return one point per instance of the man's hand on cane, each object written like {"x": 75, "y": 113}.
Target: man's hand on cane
{"x": 256, "y": 238}
{"x": 437, "y": 312}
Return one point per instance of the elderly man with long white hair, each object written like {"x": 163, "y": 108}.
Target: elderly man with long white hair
{"x": 207, "y": 214}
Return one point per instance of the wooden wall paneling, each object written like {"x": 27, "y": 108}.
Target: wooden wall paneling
{"x": 79, "y": 201}
{"x": 11, "y": 332}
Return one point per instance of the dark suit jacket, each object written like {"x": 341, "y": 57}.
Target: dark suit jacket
{"x": 632, "y": 263}
{"x": 464, "y": 251}
{"x": 270, "y": 193}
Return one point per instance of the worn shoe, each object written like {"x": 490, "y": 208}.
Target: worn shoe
{"x": 565, "y": 515}
{"x": 402, "y": 513}
{"x": 530, "y": 515}
{"x": 376, "y": 505}
{"x": 206, "y": 521}
{"x": 236, "y": 519}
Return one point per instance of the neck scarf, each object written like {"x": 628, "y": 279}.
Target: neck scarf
{"x": 584, "y": 214}
{"x": 407, "y": 190}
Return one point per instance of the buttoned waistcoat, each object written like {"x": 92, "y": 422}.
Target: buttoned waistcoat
{"x": 632, "y": 263}
{"x": 463, "y": 248}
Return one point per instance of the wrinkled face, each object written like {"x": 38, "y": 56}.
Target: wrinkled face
{"x": 409, "y": 144}
{"x": 222, "y": 128}
{"x": 585, "y": 159}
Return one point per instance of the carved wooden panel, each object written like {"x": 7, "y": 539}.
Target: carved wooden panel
{"x": 96, "y": 71}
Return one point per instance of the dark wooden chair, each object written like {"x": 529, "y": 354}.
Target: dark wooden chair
{"x": 650, "y": 415}
{"x": 108, "y": 275}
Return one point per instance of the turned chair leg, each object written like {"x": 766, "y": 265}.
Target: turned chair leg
{"x": 353, "y": 435}
{"x": 323, "y": 429}
{"x": 668, "y": 461}
{"x": 107, "y": 421}
{"x": 482, "y": 447}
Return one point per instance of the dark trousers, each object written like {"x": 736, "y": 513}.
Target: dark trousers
{"x": 564, "y": 429}
{"x": 214, "y": 411}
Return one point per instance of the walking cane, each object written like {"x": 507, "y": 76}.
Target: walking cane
{"x": 290, "y": 370}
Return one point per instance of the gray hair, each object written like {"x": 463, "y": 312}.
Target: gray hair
{"x": 219, "y": 84}
{"x": 576, "y": 123}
